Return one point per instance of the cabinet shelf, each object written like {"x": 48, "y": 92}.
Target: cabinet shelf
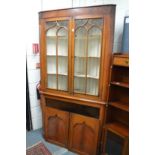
{"x": 96, "y": 57}
{"x": 93, "y": 77}
{"x": 120, "y": 105}
{"x": 57, "y": 55}
{"x": 121, "y": 84}
{"x": 118, "y": 128}
{"x": 60, "y": 37}
{"x": 88, "y": 76}
{"x": 79, "y": 91}
{"x": 62, "y": 74}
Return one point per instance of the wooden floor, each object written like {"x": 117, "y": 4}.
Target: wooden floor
{"x": 35, "y": 136}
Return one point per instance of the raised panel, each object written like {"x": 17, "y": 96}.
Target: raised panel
{"x": 56, "y": 124}
{"x": 83, "y": 134}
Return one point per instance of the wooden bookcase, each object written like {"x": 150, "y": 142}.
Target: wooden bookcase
{"x": 76, "y": 48}
{"x": 116, "y": 129}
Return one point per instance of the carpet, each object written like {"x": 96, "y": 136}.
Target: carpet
{"x": 38, "y": 149}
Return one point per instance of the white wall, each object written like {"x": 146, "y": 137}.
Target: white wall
{"x": 32, "y": 59}
{"x": 33, "y": 73}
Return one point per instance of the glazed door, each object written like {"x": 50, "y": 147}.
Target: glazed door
{"x": 57, "y": 54}
{"x": 56, "y": 126}
{"x": 73, "y": 55}
{"x": 87, "y": 55}
{"x": 83, "y": 134}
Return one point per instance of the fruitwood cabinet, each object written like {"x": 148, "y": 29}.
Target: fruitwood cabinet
{"x": 76, "y": 46}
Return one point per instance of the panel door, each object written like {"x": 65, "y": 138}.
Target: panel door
{"x": 83, "y": 134}
{"x": 87, "y": 55}
{"x": 56, "y": 126}
{"x": 57, "y": 54}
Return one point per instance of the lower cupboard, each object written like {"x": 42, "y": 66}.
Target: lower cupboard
{"x": 74, "y": 131}
{"x": 83, "y": 134}
{"x": 56, "y": 126}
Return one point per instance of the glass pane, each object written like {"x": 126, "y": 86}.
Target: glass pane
{"x": 79, "y": 66}
{"x": 51, "y": 58}
{"x": 79, "y": 84}
{"x": 81, "y": 22}
{"x": 88, "y": 23}
{"x": 96, "y": 22}
{"x": 51, "y": 32}
{"x": 93, "y": 63}
{"x": 51, "y": 71}
{"x": 87, "y": 54}
{"x": 80, "y": 60}
{"x": 57, "y": 24}
{"x": 51, "y": 65}
{"x": 62, "y": 59}
{"x": 51, "y": 46}
{"x": 94, "y": 42}
{"x": 80, "y": 42}
{"x": 62, "y": 82}
{"x": 57, "y": 54}
{"x": 63, "y": 42}
{"x": 50, "y": 24}
{"x": 93, "y": 67}
{"x": 92, "y": 86}
{"x": 62, "y": 65}
{"x": 51, "y": 81}
{"x": 51, "y": 41}
{"x": 62, "y": 23}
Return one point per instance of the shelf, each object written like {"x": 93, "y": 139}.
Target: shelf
{"x": 121, "y": 84}
{"x": 93, "y": 77}
{"x": 60, "y": 37}
{"x": 87, "y": 57}
{"x": 82, "y": 57}
{"x": 51, "y": 37}
{"x": 92, "y": 93}
{"x": 80, "y": 75}
{"x": 57, "y": 55}
{"x": 118, "y": 129}
{"x": 87, "y": 93}
{"x": 88, "y": 76}
{"x": 79, "y": 91}
{"x": 62, "y": 74}
{"x": 120, "y": 105}
{"x": 94, "y": 57}
{"x": 51, "y": 73}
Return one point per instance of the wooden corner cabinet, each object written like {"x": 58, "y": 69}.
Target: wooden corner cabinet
{"x": 116, "y": 128}
{"x": 76, "y": 48}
